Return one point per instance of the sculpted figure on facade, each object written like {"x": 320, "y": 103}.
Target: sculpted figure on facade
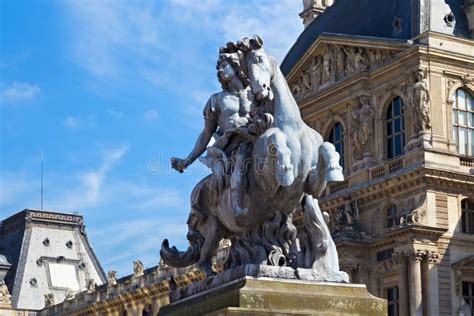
{"x": 327, "y": 74}
{"x": 69, "y": 295}
{"x": 315, "y": 71}
{"x": 420, "y": 102}
{"x": 48, "y": 300}
{"x": 260, "y": 179}
{"x": 306, "y": 80}
{"x": 347, "y": 217}
{"x": 112, "y": 278}
{"x": 339, "y": 59}
{"x": 356, "y": 60}
{"x": 138, "y": 268}
{"x": 90, "y": 285}
{"x": 362, "y": 127}
{"x": 5, "y": 296}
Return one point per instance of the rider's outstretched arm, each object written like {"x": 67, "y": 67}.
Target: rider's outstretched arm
{"x": 210, "y": 126}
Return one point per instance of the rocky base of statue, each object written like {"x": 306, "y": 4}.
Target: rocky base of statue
{"x": 254, "y": 290}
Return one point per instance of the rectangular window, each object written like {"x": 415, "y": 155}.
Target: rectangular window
{"x": 392, "y": 301}
{"x": 468, "y": 293}
{"x": 467, "y": 216}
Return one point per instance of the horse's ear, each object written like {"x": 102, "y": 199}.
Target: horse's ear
{"x": 259, "y": 40}
{"x": 256, "y": 42}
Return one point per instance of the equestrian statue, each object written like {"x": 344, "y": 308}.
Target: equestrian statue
{"x": 266, "y": 163}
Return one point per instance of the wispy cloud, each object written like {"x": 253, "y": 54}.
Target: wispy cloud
{"x": 151, "y": 114}
{"x": 19, "y": 92}
{"x": 71, "y": 121}
{"x": 114, "y": 113}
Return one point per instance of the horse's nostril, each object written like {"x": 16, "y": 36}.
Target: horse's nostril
{"x": 264, "y": 86}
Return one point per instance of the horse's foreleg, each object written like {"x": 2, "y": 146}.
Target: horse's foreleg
{"x": 278, "y": 150}
{"x": 331, "y": 158}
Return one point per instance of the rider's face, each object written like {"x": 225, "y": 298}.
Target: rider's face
{"x": 226, "y": 71}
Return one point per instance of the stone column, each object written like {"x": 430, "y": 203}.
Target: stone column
{"x": 416, "y": 305}
{"x": 429, "y": 277}
{"x": 403, "y": 301}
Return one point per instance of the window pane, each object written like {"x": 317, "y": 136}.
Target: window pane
{"x": 390, "y": 148}
{"x": 465, "y": 288}
{"x": 461, "y": 99}
{"x": 463, "y": 222}
{"x": 389, "y": 222}
{"x": 471, "y": 141}
{"x": 338, "y": 132}
{"x": 470, "y": 119}
{"x": 470, "y": 219}
{"x": 462, "y": 118}
{"x": 396, "y": 107}
{"x": 389, "y": 128}
{"x": 455, "y": 117}
{"x": 397, "y": 125}
{"x": 462, "y": 141}
{"x": 470, "y": 102}
{"x": 455, "y": 135}
{"x": 398, "y": 145}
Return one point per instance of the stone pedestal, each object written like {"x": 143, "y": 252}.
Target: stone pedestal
{"x": 248, "y": 295}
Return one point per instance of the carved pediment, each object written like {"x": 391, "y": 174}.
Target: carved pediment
{"x": 332, "y": 63}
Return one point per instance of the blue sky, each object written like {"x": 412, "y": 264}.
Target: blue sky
{"x": 111, "y": 90}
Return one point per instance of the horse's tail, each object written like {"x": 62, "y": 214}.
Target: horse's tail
{"x": 175, "y": 258}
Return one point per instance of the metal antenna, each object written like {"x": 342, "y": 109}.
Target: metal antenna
{"x": 41, "y": 178}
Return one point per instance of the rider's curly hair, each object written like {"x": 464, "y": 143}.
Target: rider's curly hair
{"x": 235, "y": 58}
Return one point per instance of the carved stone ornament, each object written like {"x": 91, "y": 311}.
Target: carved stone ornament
{"x": 413, "y": 210}
{"x": 90, "y": 285}
{"x": 112, "y": 278}
{"x": 48, "y": 300}
{"x": 433, "y": 257}
{"x": 416, "y": 255}
{"x": 362, "y": 127}
{"x": 335, "y": 63}
{"x": 255, "y": 187}
{"x": 69, "y": 295}
{"x": 346, "y": 219}
{"x": 5, "y": 297}
{"x": 138, "y": 268}
{"x": 419, "y": 107}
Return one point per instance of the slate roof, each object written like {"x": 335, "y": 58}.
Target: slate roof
{"x": 374, "y": 18}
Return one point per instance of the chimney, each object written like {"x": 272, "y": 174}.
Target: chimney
{"x": 313, "y": 8}
{"x": 469, "y": 11}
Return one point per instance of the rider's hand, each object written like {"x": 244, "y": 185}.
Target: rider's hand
{"x": 180, "y": 164}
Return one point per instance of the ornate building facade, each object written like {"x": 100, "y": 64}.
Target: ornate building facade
{"x": 391, "y": 85}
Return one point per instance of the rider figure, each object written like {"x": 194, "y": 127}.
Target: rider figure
{"x": 224, "y": 112}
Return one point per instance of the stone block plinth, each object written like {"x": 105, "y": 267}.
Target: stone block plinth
{"x": 248, "y": 295}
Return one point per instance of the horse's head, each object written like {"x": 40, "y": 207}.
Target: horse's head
{"x": 260, "y": 67}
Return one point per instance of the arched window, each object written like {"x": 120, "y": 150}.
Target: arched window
{"x": 392, "y": 220}
{"x": 395, "y": 128}
{"x": 336, "y": 137}
{"x": 463, "y": 122}
{"x": 467, "y": 216}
